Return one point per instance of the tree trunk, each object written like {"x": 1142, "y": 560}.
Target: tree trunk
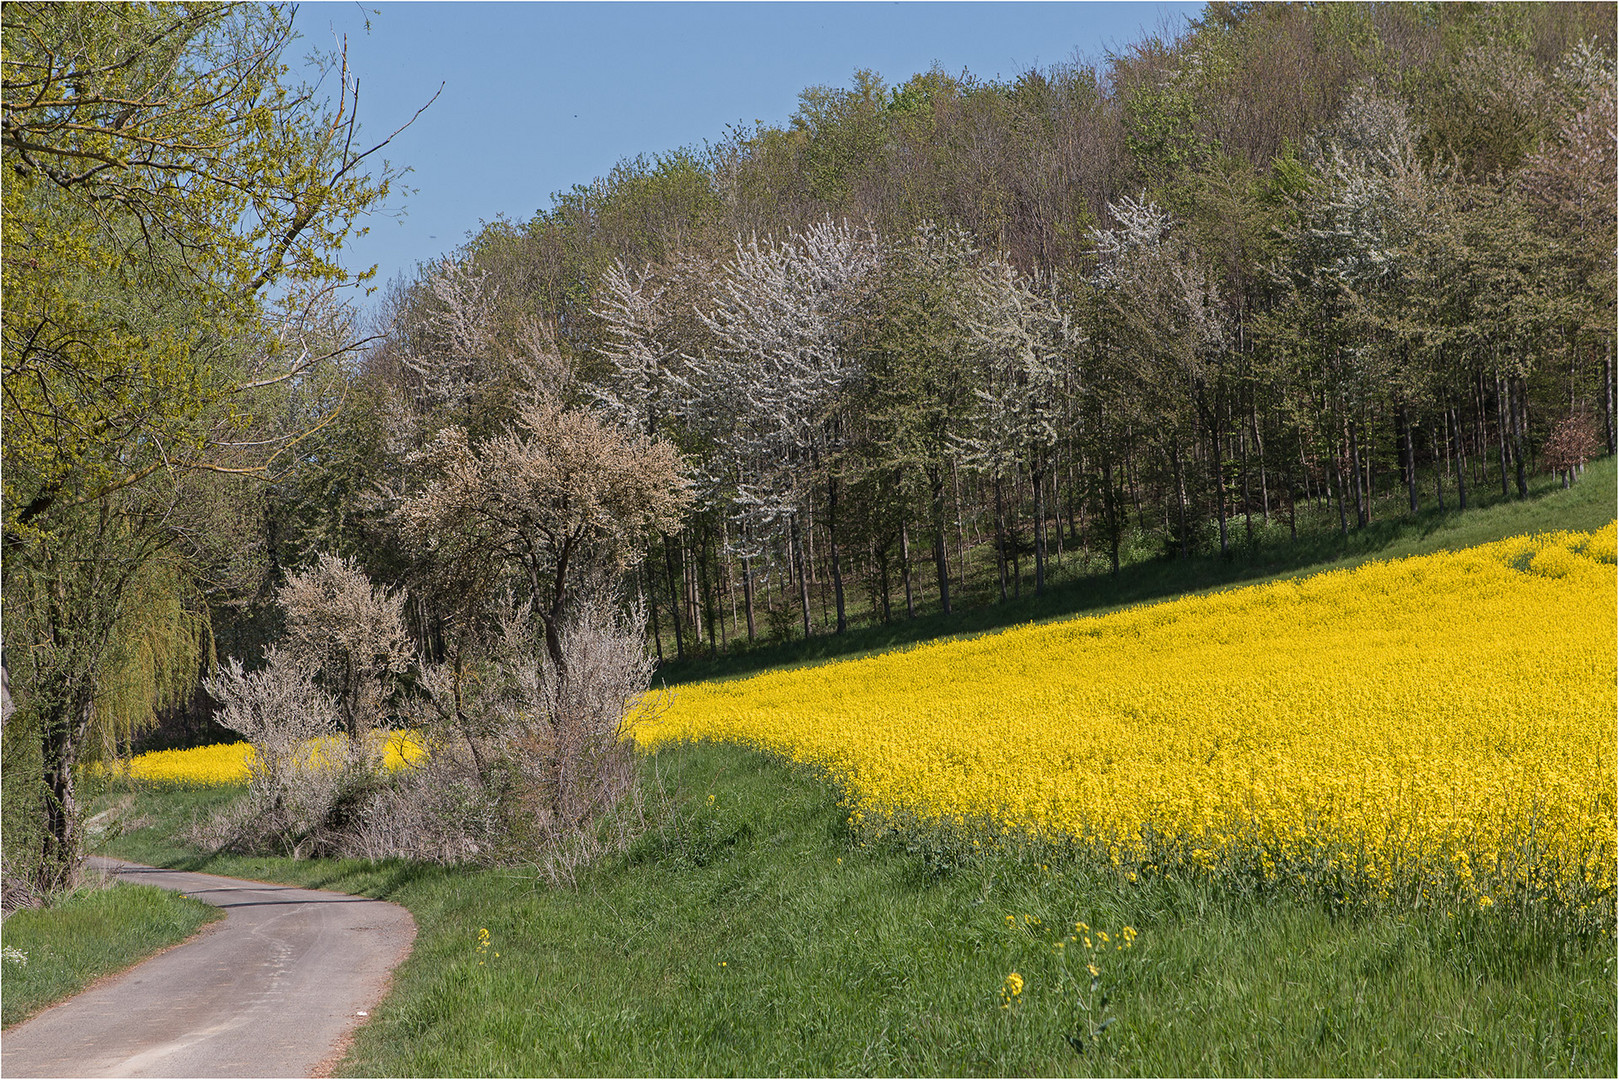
{"x": 1404, "y": 424}
{"x": 905, "y": 567}
{"x": 1361, "y": 516}
{"x": 1037, "y": 473}
{"x": 1054, "y": 507}
{"x": 961, "y": 530}
{"x": 1180, "y": 494}
{"x": 747, "y": 595}
{"x": 1259, "y": 449}
{"x": 1131, "y": 475}
{"x": 1000, "y": 535}
{"x": 1503, "y": 422}
{"x": 1336, "y": 481}
{"x": 674, "y": 595}
{"x": 730, "y": 576}
{"x": 652, "y": 610}
{"x": 1111, "y": 509}
{"x": 1293, "y": 511}
{"x": 1441, "y": 462}
{"x": 1247, "y": 491}
{"x": 803, "y": 576}
{"x": 941, "y": 563}
{"x": 882, "y": 569}
{"x": 1517, "y": 438}
{"x": 1607, "y": 397}
{"x": 832, "y": 546}
{"x": 1461, "y": 460}
{"x": 705, "y": 581}
{"x": 1073, "y": 521}
{"x": 63, "y": 725}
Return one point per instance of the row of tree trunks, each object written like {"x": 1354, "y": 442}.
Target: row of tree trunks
{"x": 1013, "y": 510}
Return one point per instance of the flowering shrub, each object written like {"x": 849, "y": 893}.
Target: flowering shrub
{"x": 1437, "y": 729}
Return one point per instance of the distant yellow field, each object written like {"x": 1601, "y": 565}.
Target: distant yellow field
{"x": 1440, "y": 726}
{"x": 228, "y": 763}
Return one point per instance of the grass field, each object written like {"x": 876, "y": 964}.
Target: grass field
{"x": 751, "y": 930}
{"x": 750, "y": 935}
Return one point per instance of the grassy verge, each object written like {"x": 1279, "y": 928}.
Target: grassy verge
{"x": 95, "y": 932}
{"x": 1084, "y": 588}
{"x": 747, "y": 933}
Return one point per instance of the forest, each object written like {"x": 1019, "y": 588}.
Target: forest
{"x": 1297, "y": 266}
{"x": 1331, "y": 261}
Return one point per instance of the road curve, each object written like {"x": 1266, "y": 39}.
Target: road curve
{"x": 270, "y": 990}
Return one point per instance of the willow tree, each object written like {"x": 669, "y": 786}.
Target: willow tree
{"x": 163, "y": 175}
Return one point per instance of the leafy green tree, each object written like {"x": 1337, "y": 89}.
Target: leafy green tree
{"x": 164, "y": 174}
{"x": 917, "y": 338}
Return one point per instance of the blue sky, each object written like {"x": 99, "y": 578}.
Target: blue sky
{"x": 541, "y": 96}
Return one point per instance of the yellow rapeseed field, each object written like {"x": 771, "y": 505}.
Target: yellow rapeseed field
{"x": 227, "y": 763}
{"x": 1440, "y": 729}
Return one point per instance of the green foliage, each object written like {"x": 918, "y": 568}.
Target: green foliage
{"x": 162, "y": 173}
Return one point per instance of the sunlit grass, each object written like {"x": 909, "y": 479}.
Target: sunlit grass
{"x": 53, "y": 953}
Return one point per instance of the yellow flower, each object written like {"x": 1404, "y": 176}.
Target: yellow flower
{"x": 1425, "y": 721}
{"x": 1010, "y": 989}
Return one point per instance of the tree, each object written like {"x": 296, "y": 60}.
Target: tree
{"x": 350, "y": 636}
{"x": 1160, "y": 350}
{"x": 918, "y": 347}
{"x": 562, "y": 501}
{"x": 163, "y": 176}
{"x": 1026, "y": 345}
{"x": 782, "y": 370}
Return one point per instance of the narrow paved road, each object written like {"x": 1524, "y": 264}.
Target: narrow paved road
{"x": 270, "y": 990}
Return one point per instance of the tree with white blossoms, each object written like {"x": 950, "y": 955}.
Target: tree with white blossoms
{"x": 654, "y": 339}
{"x": 465, "y": 365}
{"x": 1025, "y": 345}
{"x": 449, "y": 349}
{"x": 1368, "y": 196}
{"x": 350, "y": 636}
{"x": 1159, "y": 345}
{"x": 761, "y": 381}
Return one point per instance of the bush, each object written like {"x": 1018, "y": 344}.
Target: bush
{"x": 526, "y": 757}
{"x": 296, "y": 792}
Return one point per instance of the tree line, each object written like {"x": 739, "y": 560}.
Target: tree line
{"x": 1298, "y": 258}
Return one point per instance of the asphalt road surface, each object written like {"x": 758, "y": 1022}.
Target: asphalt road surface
{"x": 272, "y": 989}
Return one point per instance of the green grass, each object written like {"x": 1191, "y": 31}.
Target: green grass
{"x": 94, "y": 932}
{"x": 751, "y": 934}
{"x": 1084, "y": 585}
{"x": 748, "y": 932}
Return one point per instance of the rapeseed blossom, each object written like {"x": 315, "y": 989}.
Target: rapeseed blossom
{"x": 228, "y": 763}
{"x": 1432, "y": 726}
